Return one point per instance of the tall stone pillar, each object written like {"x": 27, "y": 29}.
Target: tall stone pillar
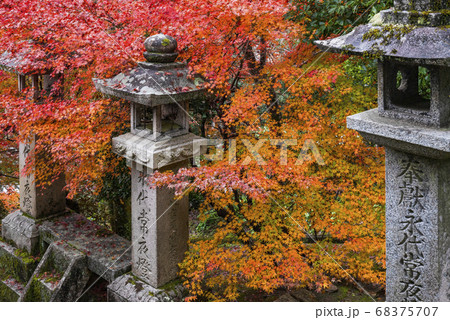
{"x": 159, "y": 228}
{"x": 159, "y": 139}
{"x": 417, "y": 227}
{"x": 414, "y": 128}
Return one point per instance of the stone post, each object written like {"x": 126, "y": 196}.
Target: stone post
{"x": 417, "y": 227}
{"x": 35, "y": 200}
{"x": 415, "y": 131}
{"x": 159, "y": 228}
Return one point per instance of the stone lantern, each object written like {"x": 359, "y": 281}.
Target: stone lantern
{"x": 415, "y": 131}
{"x": 39, "y": 200}
{"x": 159, "y": 91}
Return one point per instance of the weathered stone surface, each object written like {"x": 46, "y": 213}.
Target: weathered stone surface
{"x": 160, "y": 43}
{"x": 421, "y": 45}
{"x": 39, "y": 202}
{"x": 160, "y": 48}
{"x": 417, "y": 205}
{"x": 286, "y": 298}
{"x": 155, "y": 154}
{"x": 165, "y": 122}
{"x": 149, "y": 85}
{"x": 421, "y": 5}
{"x": 404, "y": 102}
{"x": 129, "y": 288}
{"x": 10, "y": 290}
{"x": 402, "y": 135}
{"x": 304, "y": 295}
{"x": 426, "y": 19}
{"x": 64, "y": 260}
{"x": 332, "y": 288}
{"x": 417, "y": 228}
{"x": 12, "y": 63}
{"x": 160, "y": 57}
{"x": 103, "y": 252}
{"x": 158, "y": 81}
{"x": 16, "y": 263}
{"x": 108, "y": 255}
{"x": 22, "y": 231}
{"x": 159, "y": 229}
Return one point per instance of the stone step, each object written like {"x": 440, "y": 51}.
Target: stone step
{"x": 61, "y": 275}
{"x": 41, "y": 289}
{"x": 108, "y": 255}
{"x": 16, "y": 262}
{"x": 10, "y": 289}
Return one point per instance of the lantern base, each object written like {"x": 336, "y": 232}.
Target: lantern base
{"x": 129, "y": 288}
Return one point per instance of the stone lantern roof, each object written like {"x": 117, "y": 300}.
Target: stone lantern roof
{"x": 157, "y": 81}
{"x": 22, "y": 66}
{"x": 19, "y": 63}
{"x": 416, "y": 30}
{"x": 11, "y": 63}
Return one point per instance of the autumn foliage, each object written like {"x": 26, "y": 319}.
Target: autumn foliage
{"x": 289, "y": 220}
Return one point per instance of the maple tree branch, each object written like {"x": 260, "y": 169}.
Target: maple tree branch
{"x": 8, "y": 176}
{"x": 9, "y": 152}
{"x": 238, "y": 75}
{"x": 10, "y": 140}
{"x": 263, "y": 55}
{"x": 251, "y": 59}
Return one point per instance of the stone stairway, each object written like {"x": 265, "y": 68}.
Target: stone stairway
{"x": 108, "y": 255}
{"x": 61, "y": 275}
{"x": 16, "y": 268}
{"x": 68, "y": 250}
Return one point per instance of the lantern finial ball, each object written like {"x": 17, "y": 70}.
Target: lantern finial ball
{"x": 160, "y": 49}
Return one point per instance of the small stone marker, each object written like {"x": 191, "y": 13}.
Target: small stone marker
{"x": 159, "y": 91}
{"x": 415, "y": 131}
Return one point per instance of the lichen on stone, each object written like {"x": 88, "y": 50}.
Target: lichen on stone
{"x": 387, "y": 33}
{"x": 165, "y": 42}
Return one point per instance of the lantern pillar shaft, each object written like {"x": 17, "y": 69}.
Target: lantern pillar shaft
{"x": 159, "y": 228}
{"x": 417, "y": 222}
